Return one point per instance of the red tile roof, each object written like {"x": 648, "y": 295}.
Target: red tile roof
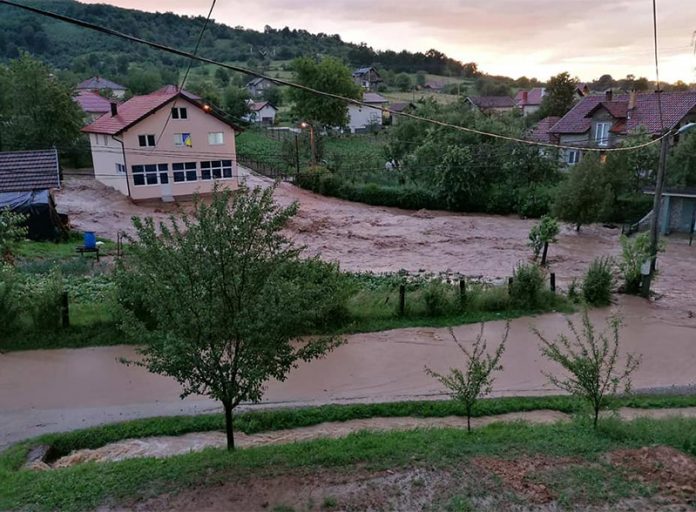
{"x": 492, "y": 101}
{"x": 255, "y": 106}
{"x": 675, "y": 105}
{"x": 373, "y": 97}
{"x": 139, "y": 107}
{"x": 92, "y": 103}
{"x": 97, "y": 83}
{"x": 534, "y": 97}
{"x": 22, "y": 171}
{"x": 541, "y": 132}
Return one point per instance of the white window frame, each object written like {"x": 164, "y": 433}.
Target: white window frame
{"x": 120, "y": 168}
{"x": 217, "y": 170}
{"x": 188, "y": 171}
{"x": 213, "y": 138}
{"x": 572, "y": 156}
{"x": 604, "y": 128}
{"x": 177, "y": 113}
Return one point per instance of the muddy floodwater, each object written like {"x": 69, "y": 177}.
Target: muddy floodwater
{"x": 44, "y": 391}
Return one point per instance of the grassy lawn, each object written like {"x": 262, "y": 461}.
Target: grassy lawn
{"x": 589, "y": 479}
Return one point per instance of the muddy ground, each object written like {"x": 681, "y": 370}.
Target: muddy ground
{"x": 663, "y": 479}
{"x": 370, "y": 238}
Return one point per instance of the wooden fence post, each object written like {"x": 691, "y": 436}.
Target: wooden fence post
{"x": 65, "y": 310}
{"x": 402, "y": 299}
{"x": 509, "y": 284}
{"x": 553, "y": 282}
{"x": 462, "y": 291}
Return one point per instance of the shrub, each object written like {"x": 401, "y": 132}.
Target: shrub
{"x": 634, "y": 253}
{"x": 541, "y": 235}
{"x": 9, "y": 299}
{"x": 43, "y": 299}
{"x": 12, "y": 230}
{"x": 435, "y": 298}
{"x": 527, "y": 289}
{"x": 598, "y": 283}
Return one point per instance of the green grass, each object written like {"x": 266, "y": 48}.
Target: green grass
{"x": 87, "y": 486}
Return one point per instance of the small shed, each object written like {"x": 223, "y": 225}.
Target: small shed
{"x": 678, "y": 211}
{"x": 26, "y": 181}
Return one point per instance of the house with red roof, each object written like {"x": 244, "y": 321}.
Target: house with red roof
{"x": 529, "y": 101}
{"x": 164, "y": 145}
{"x": 604, "y": 121}
{"x": 92, "y": 104}
{"x": 99, "y": 84}
{"x": 261, "y": 112}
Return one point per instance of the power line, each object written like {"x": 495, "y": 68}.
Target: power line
{"x": 657, "y": 68}
{"x": 351, "y": 101}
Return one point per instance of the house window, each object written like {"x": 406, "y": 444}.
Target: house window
{"x": 150, "y": 174}
{"x": 602, "y": 134}
{"x": 572, "y": 156}
{"x": 216, "y": 169}
{"x": 216, "y": 138}
{"x": 120, "y": 169}
{"x": 106, "y": 140}
{"x": 179, "y": 113}
{"x": 184, "y": 172}
{"x": 183, "y": 139}
{"x": 146, "y": 141}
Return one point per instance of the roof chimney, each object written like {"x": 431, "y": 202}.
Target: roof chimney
{"x": 114, "y": 108}
{"x": 525, "y": 97}
{"x": 631, "y": 100}
{"x": 609, "y": 95}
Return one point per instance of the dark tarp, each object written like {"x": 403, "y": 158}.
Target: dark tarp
{"x": 43, "y": 220}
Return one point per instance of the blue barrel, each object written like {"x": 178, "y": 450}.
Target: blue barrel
{"x": 90, "y": 240}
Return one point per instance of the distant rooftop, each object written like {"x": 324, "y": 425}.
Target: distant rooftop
{"x": 98, "y": 83}
{"x": 492, "y": 101}
{"x": 92, "y": 103}
{"x": 22, "y": 171}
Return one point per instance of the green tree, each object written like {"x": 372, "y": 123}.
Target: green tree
{"x": 541, "y": 235}
{"x": 682, "y": 163}
{"x": 421, "y": 78}
{"x": 634, "y": 253}
{"x": 327, "y": 75}
{"x": 559, "y": 97}
{"x": 219, "y": 298}
{"x": 12, "y": 231}
{"x": 235, "y": 102}
{"x": 591, "y": 361}
{"x": 582, "y": 196}
{"x": 222, "y": 77}
{"x": 476, "y": 380}
{"x": 403, "y": 82}
{"x": 36, "y": 110}
{"x": 274, "y": 95}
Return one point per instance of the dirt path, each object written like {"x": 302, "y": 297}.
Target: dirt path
{"x": 167, "y": 446}
{"x": 369, "y": 238}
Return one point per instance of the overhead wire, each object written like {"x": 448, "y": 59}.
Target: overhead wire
{"x": 657, "y": 70}
{"x": 350, "y": 101}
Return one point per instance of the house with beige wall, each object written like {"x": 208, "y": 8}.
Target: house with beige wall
{"x": 164, "y": 145}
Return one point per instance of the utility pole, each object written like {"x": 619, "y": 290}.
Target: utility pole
{"x": 657, "y": 201}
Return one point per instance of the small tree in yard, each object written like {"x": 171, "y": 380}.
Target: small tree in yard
{"x": 541, "y": 235}
{"x": 476, "y": 380}
{"x": 634, "y": 252}
{"x": 592, "y": 362}
{"x": 12, "y": 231}
{"x": 220, "y": 298}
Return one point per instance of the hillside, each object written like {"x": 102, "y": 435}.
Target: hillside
{"x": 83, "y": 52}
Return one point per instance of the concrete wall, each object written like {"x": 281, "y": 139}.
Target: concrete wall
{"x": 198, "y": 124}
{"x": 677, "y": 214}
{"x": 106, "y": 153}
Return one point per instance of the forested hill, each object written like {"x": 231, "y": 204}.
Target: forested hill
{"x": 82, "y": 51}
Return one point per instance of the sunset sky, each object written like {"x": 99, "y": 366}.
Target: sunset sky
{"x": 511, "y": 37}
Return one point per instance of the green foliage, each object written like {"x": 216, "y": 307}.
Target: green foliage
{"x": 228, "y": 295}
{"x": 527, "y": 289}
{"x": 235, "y": 102}
{"x": 402, "y": 81}
{"x": 10, "y": 300}
{"x": 681, "y": 164}
{"x": 42, "y": 297}
{"x": 476, "y": 381}
{"x": 591, "y": 361}
{"x": 36, "y": 111}
{"x": 634, "y": 253}
{"x": 581, "y": 196}
{"x": 541, "y": 235}
{"x": 327, "y": 75}
{"x": 436, "y": 298}
{"x": 598, "y": 282}
{"x": 273, "y": 95}
{"x": 12, "y": 231}
{"x": 559, "y": 97}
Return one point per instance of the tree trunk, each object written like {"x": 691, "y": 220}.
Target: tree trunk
{"x": 229, "y": 426}
{"x": 596, "y": 416}
{"x": 543, "y": 254}
{"x": 468, "y": 419}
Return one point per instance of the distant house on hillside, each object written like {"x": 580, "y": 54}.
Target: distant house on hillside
{"x": 367, "y": 78}
{"x": 361, "y": 119}
{"x": 163, "y": 145}
{"x": 529, "y": 101}
{"x": 261, "y": 112}
{"x": 92, "y": 104}
{"x": 27, "y": 180}
{"x": 406, "y": 107}
{"x": 491, "y": 104}
{"x": 258, "y": 86}
{"x": 434, "y": 85}
{"x": 98, "y": 84}
{"x": 604, "y": 121}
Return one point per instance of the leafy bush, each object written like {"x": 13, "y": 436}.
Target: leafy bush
{"x": 541, "y": 235}
{"x": 435, "y": 297}
{"x": 634, "y": 252}
{"x": 527, "y": 289}
{"x": 12, "y": 230}
{"x": 43, "y": 297}
{"x": 599, "y": 282}
{"x": 9, "y": 299}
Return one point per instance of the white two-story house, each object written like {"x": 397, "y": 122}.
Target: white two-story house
{"x": 164, "y": 145}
